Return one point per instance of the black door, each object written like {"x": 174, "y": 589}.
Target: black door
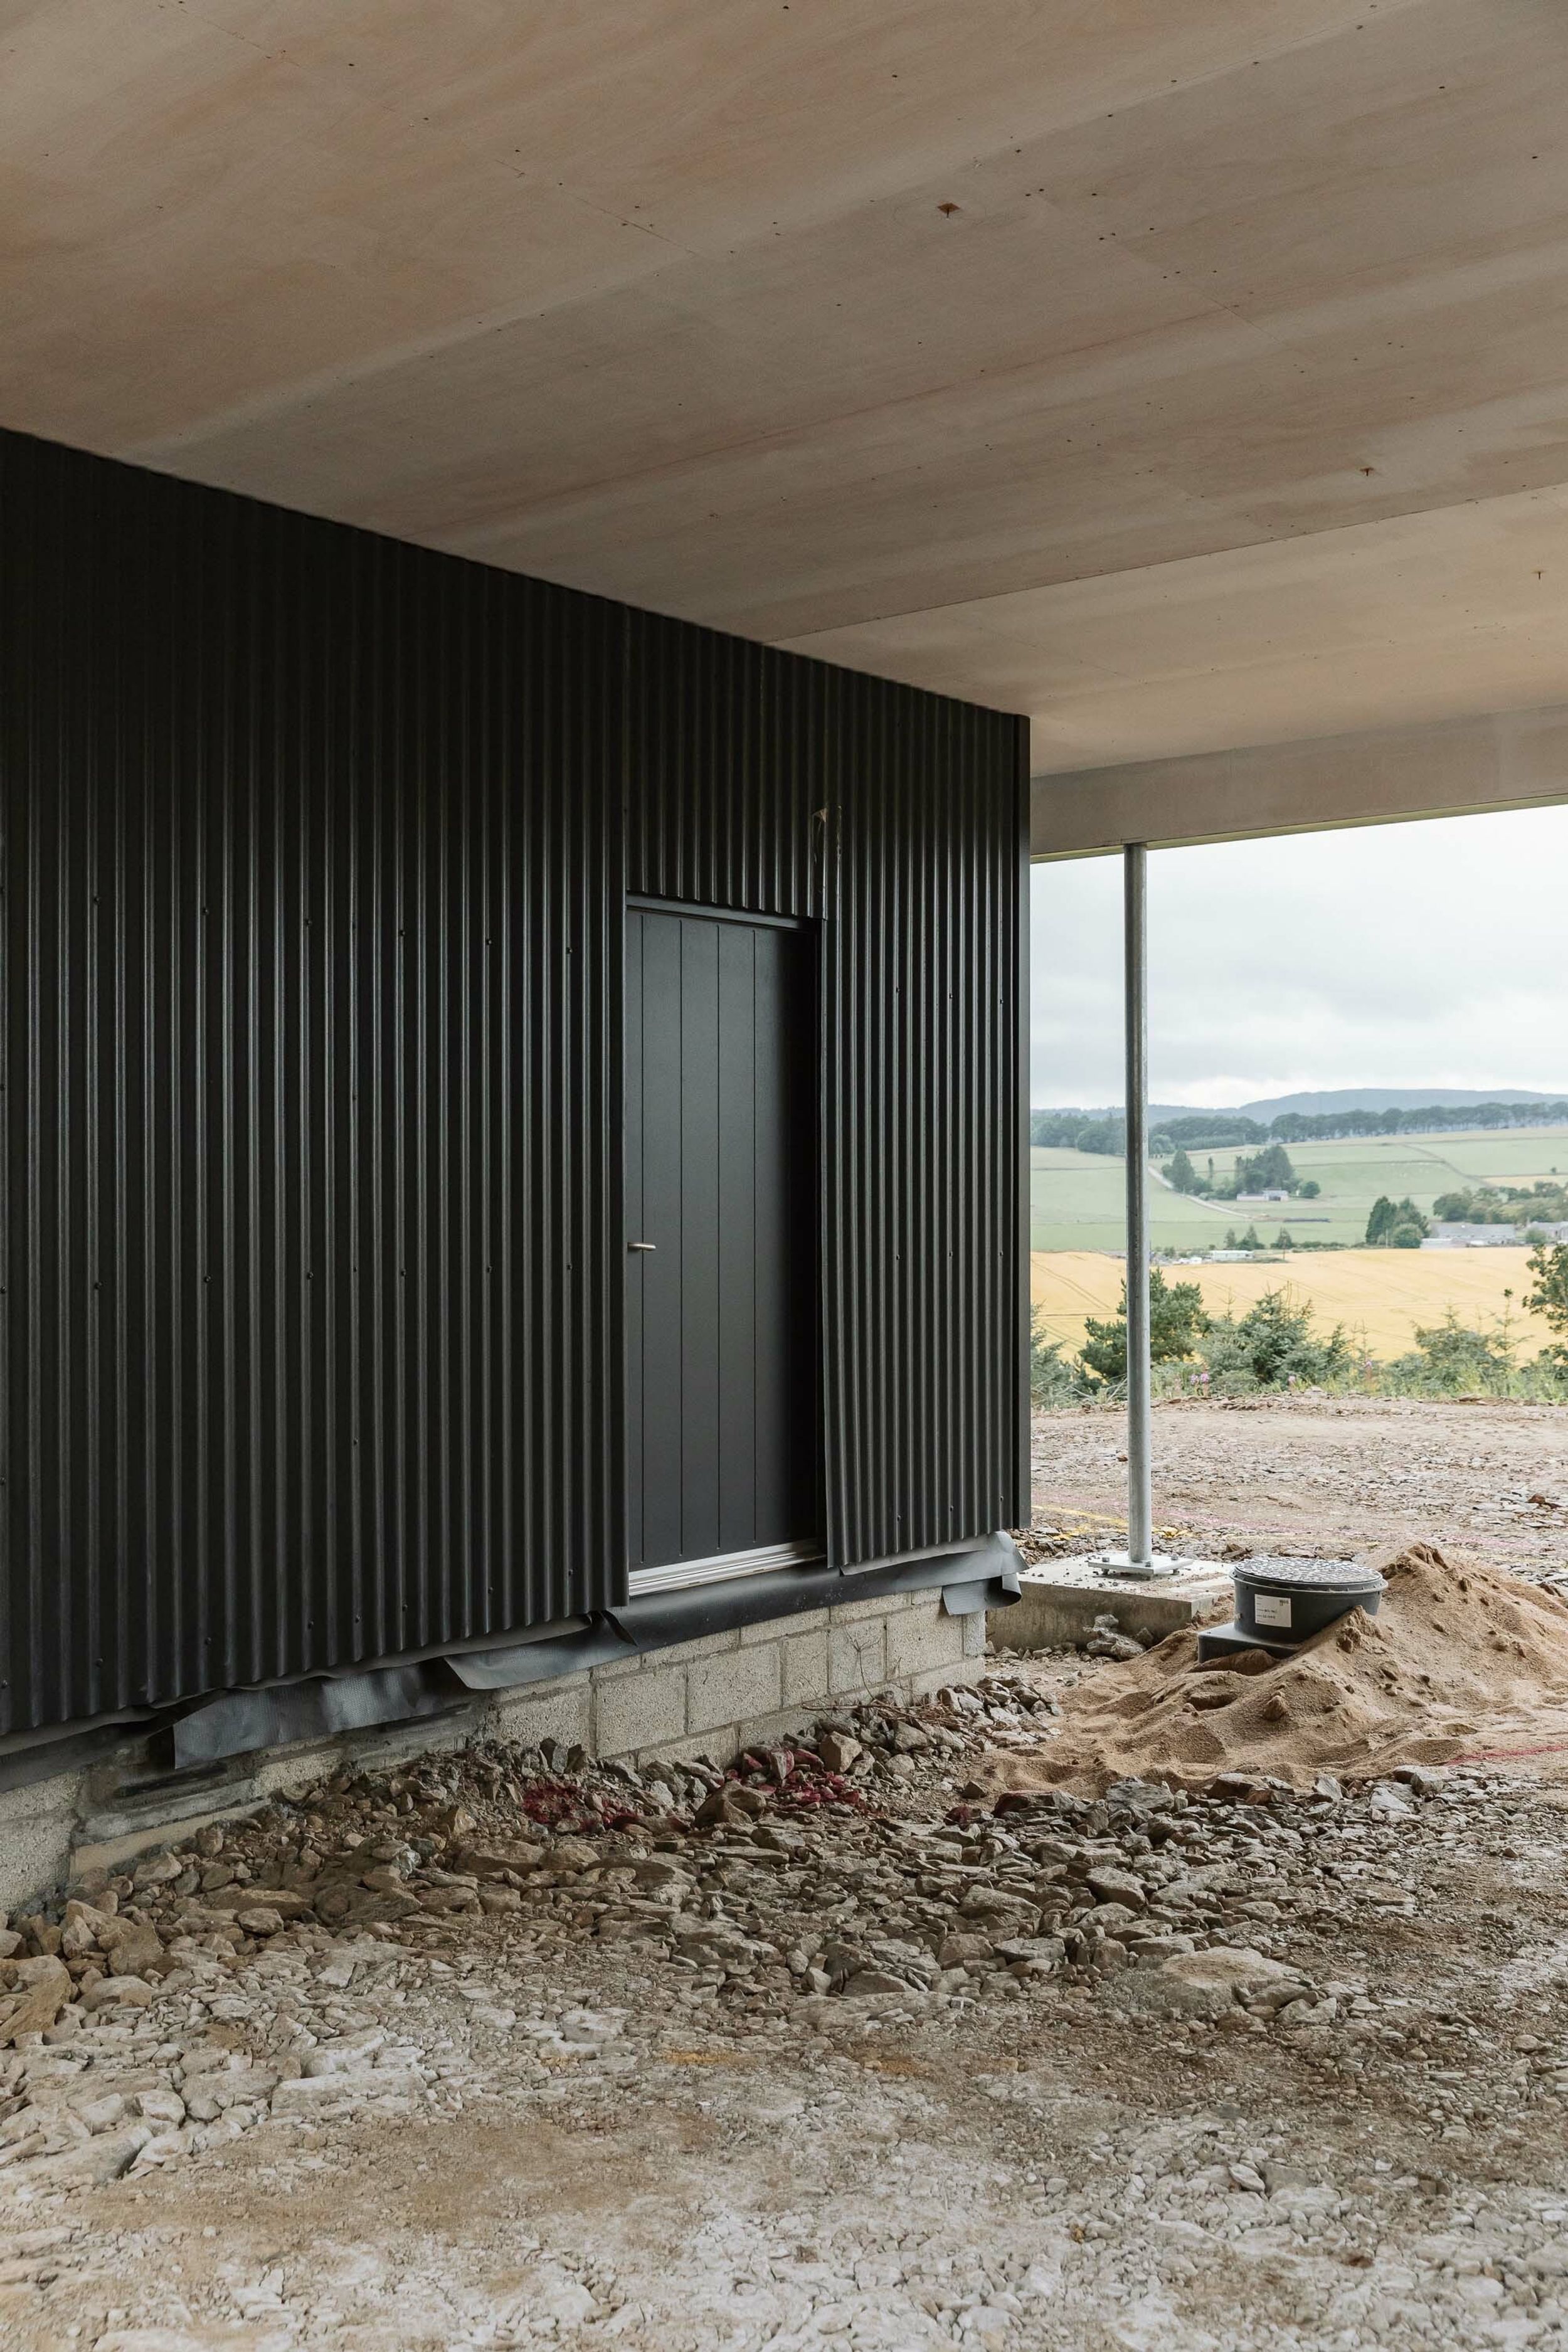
{"x": 720, "y": 1263}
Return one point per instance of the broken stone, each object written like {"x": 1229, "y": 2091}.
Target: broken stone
{"x": 284, "y": 1903}
{"x": 157, "y": 1871}
{"x": 1111, "y": 1918}
{"x": 1304, "y": 2012}
{"x": 132, "y": 1949}
{"x": 838, "y": 1751}
{"x": 1113, "y": 1885}
{"x": 127, "y": 1992}
{"x": 1208, "y": 1984}
{"x": 1286, "y": 2179}
{"x": 868, "y": 1984}
{"x": 161, "y": 2108}
{"x": 96, "y": 2162}
{"x": 1042, "y": 1953}
{"x": 998, "y": 1903}
{"x": 956, "y": 1949}
{"x": 573, "y": 1853}
{"x": 311, "y": 2095}
{"x": 99, "y": 2115}
{"x": 43, "y": 1986}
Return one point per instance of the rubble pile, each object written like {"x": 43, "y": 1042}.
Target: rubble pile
{"x": 258, "y": 1970}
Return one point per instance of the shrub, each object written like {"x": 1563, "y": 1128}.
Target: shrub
{"x": 1273, "y": 1346}
{"x": 1054, "y": 1380}
{"x": 1176, "y": 1323}
{"x": 1547, "y": 1262}
{"x": 1451, "y": 1359}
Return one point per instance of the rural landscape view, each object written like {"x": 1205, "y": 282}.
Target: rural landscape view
{"x": 1239, "y": 1215}
{"x": 1384, "y": 1209}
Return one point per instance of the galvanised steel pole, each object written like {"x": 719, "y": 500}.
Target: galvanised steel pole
{"x": 1135, "y": 1011}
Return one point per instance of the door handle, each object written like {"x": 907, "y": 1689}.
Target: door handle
{"x": 642, "y": 1245}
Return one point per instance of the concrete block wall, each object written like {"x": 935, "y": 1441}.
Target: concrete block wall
{"x": 727, "y": 1691}
{"x": 708, "y": 1698}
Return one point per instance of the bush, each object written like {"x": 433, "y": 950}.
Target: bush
{"x": 1273, "y": 1346}
{"x": 1547, "y": 1262}
{"x": 1054, "y": 1380}
{"x": 1450, "y": 1359}
{"x": 1176, "y": 1323}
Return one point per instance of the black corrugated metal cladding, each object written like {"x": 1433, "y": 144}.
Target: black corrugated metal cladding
{"x": 313, "y": 1251}
{"x": 900, "y": 821}
{"x": 315, "y": 847}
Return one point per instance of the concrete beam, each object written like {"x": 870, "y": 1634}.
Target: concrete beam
{"x": 1457, "y": 767}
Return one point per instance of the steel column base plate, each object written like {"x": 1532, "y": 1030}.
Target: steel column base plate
{"x": 1121, "y": 1563}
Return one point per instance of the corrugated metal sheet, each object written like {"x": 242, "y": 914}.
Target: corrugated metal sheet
{"x": 316, "y": 847}
{"x": 926, "y": 1368}
{"x": 898, "y": 820}
{"x": 314, "y": 1250}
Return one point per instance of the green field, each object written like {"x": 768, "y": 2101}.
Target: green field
{"x": 1076, "y": 1197}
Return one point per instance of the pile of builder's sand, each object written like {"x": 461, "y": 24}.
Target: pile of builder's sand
{"x": 1457, "y": 1662}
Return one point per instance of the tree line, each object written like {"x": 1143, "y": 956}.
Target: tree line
{"x": 1268, "y": 1171}
{"x": 1540, "y": 1203}
{"x": 1219, "y": 1131}
{"x": 1275, "y": 1345}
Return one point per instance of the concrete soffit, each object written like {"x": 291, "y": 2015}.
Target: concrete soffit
{"x": 1458, "y": 767}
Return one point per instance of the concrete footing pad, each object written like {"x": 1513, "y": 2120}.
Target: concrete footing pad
{"x": 1058, "y": 1605}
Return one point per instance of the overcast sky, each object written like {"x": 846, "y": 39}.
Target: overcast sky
{"x": 1400, "y": 955}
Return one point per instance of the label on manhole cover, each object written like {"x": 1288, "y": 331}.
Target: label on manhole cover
{"x": 1271, "y": 1608}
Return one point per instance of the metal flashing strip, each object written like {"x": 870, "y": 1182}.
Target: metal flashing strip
{"x": 512, "y": 1664}
{"x": 287, "y": 1713}
{"x": 721, "y": 1566}
{"x": 781, "y": 1581}
{"x": 989, "y": 1565}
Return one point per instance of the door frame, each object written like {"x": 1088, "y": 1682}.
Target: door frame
{"x": 767, "y": 1559}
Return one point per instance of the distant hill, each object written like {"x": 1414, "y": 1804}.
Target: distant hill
{"x": 1314, "y": 1106}
{"x": 1323, "y": 1116}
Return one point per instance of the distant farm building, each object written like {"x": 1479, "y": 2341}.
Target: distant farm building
{"x": 1456, "y": 1236}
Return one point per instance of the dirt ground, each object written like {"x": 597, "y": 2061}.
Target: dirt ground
{"x": 1330, "y": 1476}
{"x": 731, "y": 2141}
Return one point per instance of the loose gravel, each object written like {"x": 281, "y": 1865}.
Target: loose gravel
{"x": 828, "y": 2049}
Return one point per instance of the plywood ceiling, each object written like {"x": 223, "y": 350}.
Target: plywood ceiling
{"x": 1181, "y": 375}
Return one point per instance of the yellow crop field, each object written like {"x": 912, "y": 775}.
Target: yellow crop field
{"x": 1383, "y": 1294}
